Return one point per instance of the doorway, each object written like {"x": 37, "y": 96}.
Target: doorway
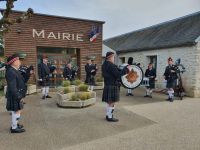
{"x": 58, "y": 57}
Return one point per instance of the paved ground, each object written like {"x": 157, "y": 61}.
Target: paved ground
{"x": 145, "y": 124}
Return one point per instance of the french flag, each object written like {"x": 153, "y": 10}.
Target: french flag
{"x": 94, "y": 33}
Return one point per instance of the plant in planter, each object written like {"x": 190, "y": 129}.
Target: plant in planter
{"x": 76, "y": 82}
{"x": 67, "y": 90}
{"x": 84, "y": 96}
{"x": 83, "y": 88}
{"x": 99, "y": 79}
{"x": 80, "y": 98}
{"x": 66, "y": 83}
{"x": 99, "y": 83}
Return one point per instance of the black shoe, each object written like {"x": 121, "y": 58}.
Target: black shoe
{"x": 17, "y": 130}
{"x": 127, "y": 94}
{"x": 131, "y": 94}
{"x": 20, "y": 126}
{"x": 112, "y": 119}
{"x": 43, "y": 97}
{"x": 106, "y": 117}
{"x": 146, "y": 96}
{"x": 171, "y": 99}
{"x": 48, "y": 96}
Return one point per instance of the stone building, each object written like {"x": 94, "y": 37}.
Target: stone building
{"x": 179, "y": 38}
{"x": 62, "y": 39}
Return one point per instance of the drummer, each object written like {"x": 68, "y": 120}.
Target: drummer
{"x": 151, "y": 74}
{"x": 126, "y": 71}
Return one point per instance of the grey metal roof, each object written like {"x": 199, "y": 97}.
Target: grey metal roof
{"x": 175, "y": 33}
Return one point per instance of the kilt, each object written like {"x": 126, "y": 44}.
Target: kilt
{"x": 171, "y": 83}
{"x": 44, "y": 82}
{"x": 151, "y": 84}
{"x": 91, "y": 80}
{"x": 110, "y": 93}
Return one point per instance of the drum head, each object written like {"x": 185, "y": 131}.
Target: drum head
{"x": 134, "y": 78}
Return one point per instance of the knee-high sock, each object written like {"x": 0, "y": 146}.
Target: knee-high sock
{"x": 91, "y": 87}
{"x": 147, "y": 92}
{"x": 46, "y": 90}
{"x": 150, "y": 91}
{"x": 171, "y": 93}
{"x": 43, "y": 91}
{"x": 109, "y": 112}
{"x": 15, "y": 118}
{"x": 129, "y": 91}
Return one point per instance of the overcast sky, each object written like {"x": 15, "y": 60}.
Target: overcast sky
{"x": 121, "y": 16}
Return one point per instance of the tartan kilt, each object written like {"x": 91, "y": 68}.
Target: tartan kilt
{"x": 171, "y": 84}
{"x": 44, "y": 82}
{"x": 110, "y": 93}
{"x": 151, "y": 84}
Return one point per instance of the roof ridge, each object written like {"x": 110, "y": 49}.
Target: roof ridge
{"x": 156, "y": 25}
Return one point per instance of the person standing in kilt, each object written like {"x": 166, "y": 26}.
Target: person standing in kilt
{"x": 111, "y": 76}
{"x": 151, "y": 74}
{"x": 43, "y": 74}
{"x": 171, "y": 77}
{"x": 90, "y": 70}
{"x": 16, "y": 91}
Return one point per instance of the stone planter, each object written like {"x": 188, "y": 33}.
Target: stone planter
{"x": 99, "y": 86}
{"x": 64, "y": 100}
{"x": 60, "y": 88}
{"x": 31, "y": 89}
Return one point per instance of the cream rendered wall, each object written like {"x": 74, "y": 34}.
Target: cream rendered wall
{"x": 190, "y": 58}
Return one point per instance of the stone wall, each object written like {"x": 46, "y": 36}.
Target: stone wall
{"x": 190, "y": 58}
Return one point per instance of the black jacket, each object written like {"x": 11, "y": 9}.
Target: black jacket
{"x": 43, "y": 71}
{"x": 169, "y": 75}
{"x": 150, "y": 73}
{"x": 110, "y": 73}
{"x": 16, "y": 89}
{"x": 88, "y": 69}
{"x": 67, "y": 73}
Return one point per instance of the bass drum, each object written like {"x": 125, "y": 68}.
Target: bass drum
{"x": 134, "y": 78}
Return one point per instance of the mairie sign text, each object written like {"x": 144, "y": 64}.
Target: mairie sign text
{"x": 57, "y": 35}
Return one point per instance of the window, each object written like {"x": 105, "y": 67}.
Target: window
{"x": 121, "y": 60}
{"x": 153, "y": 60}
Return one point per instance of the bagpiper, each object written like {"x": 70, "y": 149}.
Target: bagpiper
{"x": 16, "y": 91}
{"x": 111, "y": 75}
{"x": 150, "y": 73}
{"x": 43, "y": 72}
{"x": 171, "y": 76}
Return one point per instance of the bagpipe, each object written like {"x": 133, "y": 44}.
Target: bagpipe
{"x": 132, "y": 78}
{"x": 26, "y": 71}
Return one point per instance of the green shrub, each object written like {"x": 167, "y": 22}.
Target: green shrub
{"x": 99, "y": 79}
{"x": 66, "y": 83}
{"x": 83, "y": 87}
{"x": 76, "y": 82}
{"x": 84, "y": 96}
{"x": 74, "y": 97}
{"x": 67, "y": 90}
